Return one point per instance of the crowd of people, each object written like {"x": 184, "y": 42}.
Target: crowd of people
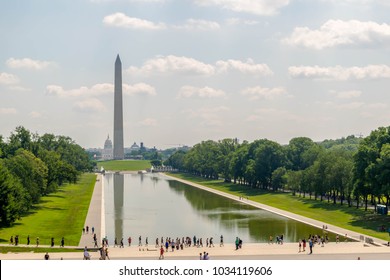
{"x": 168, "y": 242}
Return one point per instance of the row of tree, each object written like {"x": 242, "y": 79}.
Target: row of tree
{"x": 32, "y": 166}
{"x": 344, "y": 170}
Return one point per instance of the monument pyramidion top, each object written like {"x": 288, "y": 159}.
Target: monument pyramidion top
{"x": 118, "y": 59}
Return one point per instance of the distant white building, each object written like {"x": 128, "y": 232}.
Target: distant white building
{"x": 107, "y": 152}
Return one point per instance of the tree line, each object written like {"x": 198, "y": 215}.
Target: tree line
{"x": 348, "y": 170}
{"x": 32, "y": 166}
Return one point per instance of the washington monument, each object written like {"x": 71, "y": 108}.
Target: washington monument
{"x": 118, "y": 111}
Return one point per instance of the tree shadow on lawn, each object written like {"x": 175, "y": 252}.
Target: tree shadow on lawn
{"x": 363, "y": 219}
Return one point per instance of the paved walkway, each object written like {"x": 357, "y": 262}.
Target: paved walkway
{"x": 95, "y": 216}
{"x": 287, "y": 251}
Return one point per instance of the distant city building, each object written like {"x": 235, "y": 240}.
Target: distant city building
{"x": 107, "y": 152}
{"x": 134, "y": 147}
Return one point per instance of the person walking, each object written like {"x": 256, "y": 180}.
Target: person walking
{"x": 62, "y": 242}
{"x": 28, "y": 239}
{"x": 221, "y": 241}
{"x": 211, "y": 242}
{"x": 161, "y": 253}
{"x": 311, "y": 246}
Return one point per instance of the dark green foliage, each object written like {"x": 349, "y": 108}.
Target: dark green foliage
{"x": 371, "y": 169}
{"x": 34, "y": 166}
{"x": 12, "y": 196}
{"x": 336, "y": 170}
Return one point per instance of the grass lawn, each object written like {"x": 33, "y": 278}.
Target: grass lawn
{"x": 124, "y": 165}
{"x": 60, "y": 214}
{"x": 346, "y": 217}
{"x": 20, "y": 249}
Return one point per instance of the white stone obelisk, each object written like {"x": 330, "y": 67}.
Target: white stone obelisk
{"x": 118, "y": 111}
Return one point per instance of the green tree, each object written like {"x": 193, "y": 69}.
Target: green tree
{"x": 176, "y": 160}
{"x": 269, "y": 156}
{"x": 368, "y": 165}
{"x": 32, "y": 173}
{"x": 12, "y": 197}
{"x": 297, "y": 153}
{"x": 239, "y": 161}
{"x": 226, "y": 150}
{"x": 279, "y": 178}
{"x": 20, "y": 138}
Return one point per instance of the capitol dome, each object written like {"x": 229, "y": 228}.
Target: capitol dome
{"x": 107, "y": 152}
{"x": 108, "y": 143}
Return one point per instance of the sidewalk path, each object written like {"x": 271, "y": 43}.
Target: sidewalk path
{"x": 252, "y": 251}
{"x": 95, "y": 216}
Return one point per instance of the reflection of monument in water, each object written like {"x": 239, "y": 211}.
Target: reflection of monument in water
{"x": 118, "y": 204}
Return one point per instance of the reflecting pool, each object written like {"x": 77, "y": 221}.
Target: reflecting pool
{"x": 150, "y": 205}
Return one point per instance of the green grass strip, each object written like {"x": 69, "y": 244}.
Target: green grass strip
{"x": 364, "y": 222}
{"x": 61, "y": 214}
{"x": 124, "y": 165}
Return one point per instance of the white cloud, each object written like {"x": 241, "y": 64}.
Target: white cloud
{"x": 210, "y": 116}
{"x": 377, "y": 106}
{"x": 89, "y": 106}
{"x": 274, "y": 114}
{"x": 99, "y": 89}
{"x": 8, "y": 79}
{"x": 248, "y": 67}
{"x": 205, "y": 92}
{"x": 35, "y": 115}
{"x": 148, "y": 122}
{"x": 238, "y": 21}
{"x": 175, "y": 64}
{"x": 8, "y": 111}
{"x": 351, "y": 106}
{"x": 135, "y": 1}
{"x": 95, "y": 90}
{"x": 19, "y": 88}
{"x": 121, "y": 20}
{"x": 199, "y": 24}
{"x": 340, "y": 73}
{"x": 335, "y": 33}
{"x": 347, "y": 94}
{"x": 187, "y": 65}
{"x": 257, "y": 7}
{"x": 28, "y": 63}
{"x": 258, "y": 92}
{"x": 140, "y": 88}
{"x": 356, "y": 2}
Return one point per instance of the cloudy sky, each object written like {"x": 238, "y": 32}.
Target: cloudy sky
{"x": 195, "y": 70}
